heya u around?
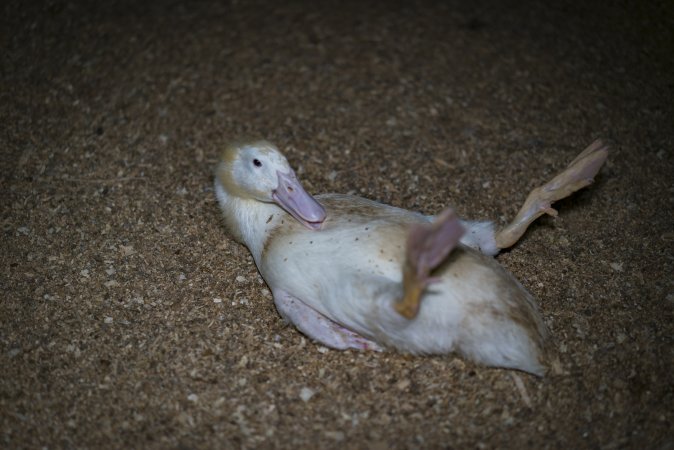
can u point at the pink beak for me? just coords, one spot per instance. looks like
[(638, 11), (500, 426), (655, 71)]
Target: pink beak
[(291, 196)]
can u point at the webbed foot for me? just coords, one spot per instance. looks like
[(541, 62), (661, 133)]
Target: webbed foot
[(579, 174), (427, 246)]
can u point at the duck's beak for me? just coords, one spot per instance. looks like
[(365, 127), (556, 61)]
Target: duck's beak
[(291, 196)]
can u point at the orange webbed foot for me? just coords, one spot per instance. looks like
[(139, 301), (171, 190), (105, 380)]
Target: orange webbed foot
[(427, 246)]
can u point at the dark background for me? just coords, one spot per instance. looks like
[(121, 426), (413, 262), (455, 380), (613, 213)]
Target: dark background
[(114, 256)]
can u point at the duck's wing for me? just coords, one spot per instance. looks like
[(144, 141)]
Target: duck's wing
[(317, 326), (480, 236)]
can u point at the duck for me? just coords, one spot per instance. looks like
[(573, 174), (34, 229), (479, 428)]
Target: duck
[(352, 273)]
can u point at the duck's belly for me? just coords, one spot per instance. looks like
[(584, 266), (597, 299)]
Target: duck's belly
[(351, 272), (326, 269), (332, 270), (353, 275)]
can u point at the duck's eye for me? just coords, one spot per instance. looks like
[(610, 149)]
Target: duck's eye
[(257, 163)]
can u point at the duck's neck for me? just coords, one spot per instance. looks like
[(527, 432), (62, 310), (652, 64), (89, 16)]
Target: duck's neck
[(247, 219)]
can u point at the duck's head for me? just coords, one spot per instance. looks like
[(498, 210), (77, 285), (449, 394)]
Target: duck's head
[(258, 171)]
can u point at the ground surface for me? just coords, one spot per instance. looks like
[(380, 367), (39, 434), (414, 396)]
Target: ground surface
[(130, 319)]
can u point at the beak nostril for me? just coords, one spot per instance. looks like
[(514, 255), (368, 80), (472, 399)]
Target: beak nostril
[(290, 188)]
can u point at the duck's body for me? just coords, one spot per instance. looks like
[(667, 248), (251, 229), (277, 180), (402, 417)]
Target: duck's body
[(351, 272), (341, 282)]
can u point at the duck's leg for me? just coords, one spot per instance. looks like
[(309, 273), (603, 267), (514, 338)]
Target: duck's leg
[(318, 327), (577, 175), (427, 246)]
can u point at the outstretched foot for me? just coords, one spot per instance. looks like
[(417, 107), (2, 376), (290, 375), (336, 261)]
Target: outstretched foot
[(577, 175), (427, 246)]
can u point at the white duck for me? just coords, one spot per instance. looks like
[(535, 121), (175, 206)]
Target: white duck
[(353, 273)]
